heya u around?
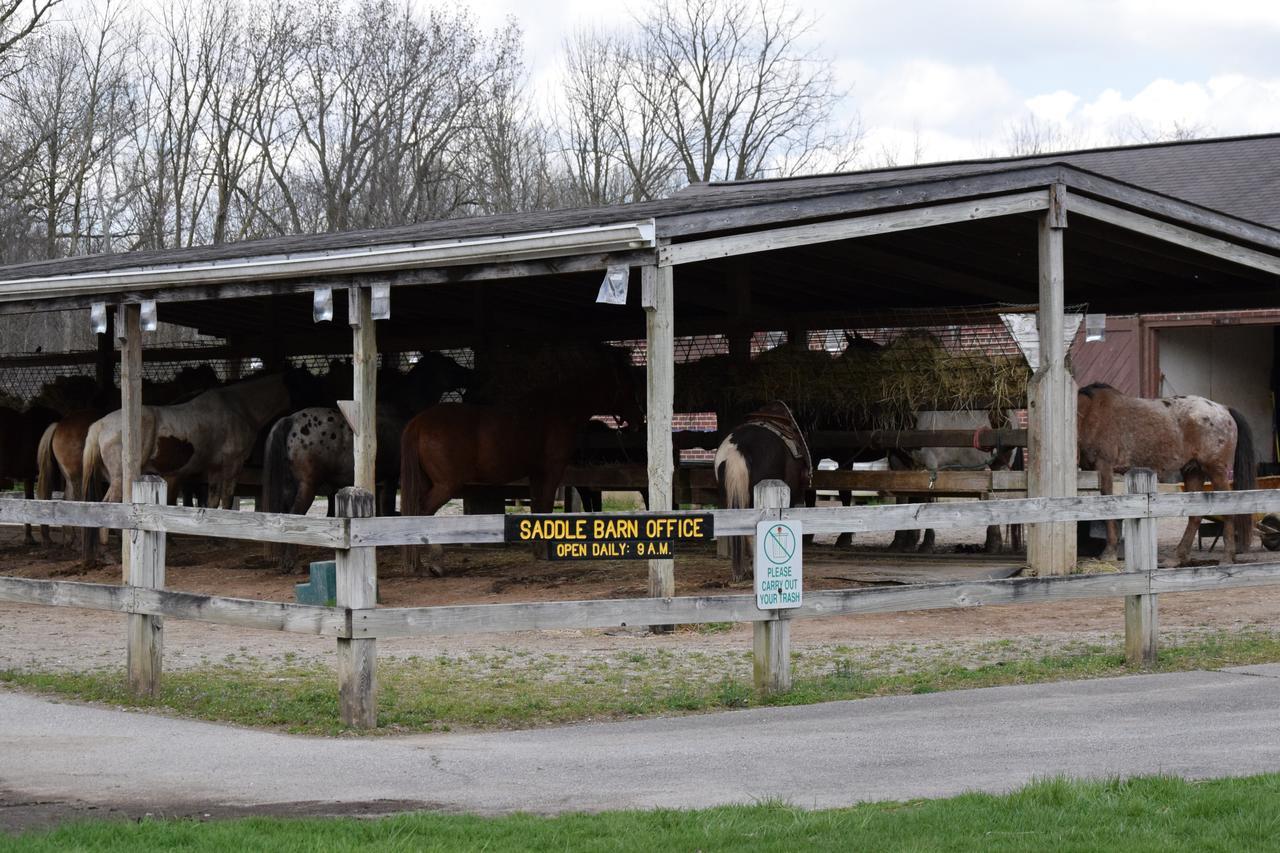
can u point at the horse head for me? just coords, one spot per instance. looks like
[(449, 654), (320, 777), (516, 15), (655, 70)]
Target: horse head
[(305, 389), (433, 376), (617, 387)]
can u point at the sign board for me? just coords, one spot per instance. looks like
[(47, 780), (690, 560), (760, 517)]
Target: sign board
[(598, 536), (779, 564)]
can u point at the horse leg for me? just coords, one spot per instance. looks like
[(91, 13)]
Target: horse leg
[(926, 544), (1106, 486), (995, 540), (845, 540), (29, 490), (306, 496), (1192, 483), (437, 496), (1218, 477)]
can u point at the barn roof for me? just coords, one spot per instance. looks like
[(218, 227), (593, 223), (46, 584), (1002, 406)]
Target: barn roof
[(1237, 176)]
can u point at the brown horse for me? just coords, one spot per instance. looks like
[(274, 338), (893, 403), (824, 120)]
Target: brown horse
[(767, 446), (20, 434), (1191, 436), (451, 445)]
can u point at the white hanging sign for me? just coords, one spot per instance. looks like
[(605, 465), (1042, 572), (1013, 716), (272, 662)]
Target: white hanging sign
[(1025, 331)]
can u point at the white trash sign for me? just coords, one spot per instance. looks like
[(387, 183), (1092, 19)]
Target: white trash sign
[(779, 564)]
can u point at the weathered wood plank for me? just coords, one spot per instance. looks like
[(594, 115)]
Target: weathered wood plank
[(844, 229), (357, 579), (658, 300), (1140, 555), (242, 612), (90, 596), (68, 513), (233, 524), (1182, 504), (364, 364), (1211, 578), (145, 568), (871, 519)]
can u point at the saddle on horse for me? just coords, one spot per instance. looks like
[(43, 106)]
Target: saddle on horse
[(777, 419)]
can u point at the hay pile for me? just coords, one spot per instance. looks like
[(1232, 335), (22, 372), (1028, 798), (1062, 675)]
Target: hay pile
[(863, 388)]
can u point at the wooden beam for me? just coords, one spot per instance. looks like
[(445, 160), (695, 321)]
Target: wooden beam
[(1171, 233), (1140, 552), (129, 330), (1051, 548), (845, 229), (658, 299), (356, 589), (364, 363), (146, 571)]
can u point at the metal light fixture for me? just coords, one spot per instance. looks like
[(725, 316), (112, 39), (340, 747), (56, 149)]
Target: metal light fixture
[(98, 318), (1095, 327), (613, 290), (147, 315), (380, 301), (322, 304)]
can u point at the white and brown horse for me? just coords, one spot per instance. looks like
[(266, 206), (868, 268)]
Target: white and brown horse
[(1191, 436), (206, 439), (768, 445)]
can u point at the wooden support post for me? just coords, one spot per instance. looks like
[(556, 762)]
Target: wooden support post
[(658, 299), (771, 639), (1140, 622), (145, 551), (356, 588), (364, 365), (1051, 548), (129, 330)]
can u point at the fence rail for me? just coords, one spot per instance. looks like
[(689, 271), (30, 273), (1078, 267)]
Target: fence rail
[(356, 624)]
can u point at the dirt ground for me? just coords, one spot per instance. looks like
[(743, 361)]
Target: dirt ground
[(61, 638)]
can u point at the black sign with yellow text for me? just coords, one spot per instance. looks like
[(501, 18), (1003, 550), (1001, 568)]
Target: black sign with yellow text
[(610, 537)]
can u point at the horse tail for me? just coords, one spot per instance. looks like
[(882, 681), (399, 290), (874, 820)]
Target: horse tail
[(90, 462), (49, 476), (1245, 464), (733, 475), (414, 482), (277, 473)]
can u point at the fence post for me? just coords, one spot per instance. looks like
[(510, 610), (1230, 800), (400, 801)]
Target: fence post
[(771, 638), (145, 563), (1140, 622), (357, 579)]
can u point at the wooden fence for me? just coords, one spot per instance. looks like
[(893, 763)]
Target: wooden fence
[(357, 623)]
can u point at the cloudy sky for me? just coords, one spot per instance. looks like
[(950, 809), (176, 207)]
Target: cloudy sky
[(952, 78)]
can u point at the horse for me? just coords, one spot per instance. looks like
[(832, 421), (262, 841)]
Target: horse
[(1193, 436), (956, 459), (205, 439), (20, 434), (769, 445), (313, 451), (450, 445)]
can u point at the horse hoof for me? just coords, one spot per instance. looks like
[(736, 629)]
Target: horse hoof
[(435, 570)]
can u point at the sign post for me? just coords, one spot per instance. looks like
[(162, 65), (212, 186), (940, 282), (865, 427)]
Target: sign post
[(779, 572)]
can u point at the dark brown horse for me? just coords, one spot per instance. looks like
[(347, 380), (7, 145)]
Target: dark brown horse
[(20, 434), (451, 445), (1190, 436), (767, 446)]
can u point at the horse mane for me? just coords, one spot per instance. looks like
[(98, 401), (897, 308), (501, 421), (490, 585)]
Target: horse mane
[(1091, 390)]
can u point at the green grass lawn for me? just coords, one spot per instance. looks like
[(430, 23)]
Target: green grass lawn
[(1151, 814), (520, 689)]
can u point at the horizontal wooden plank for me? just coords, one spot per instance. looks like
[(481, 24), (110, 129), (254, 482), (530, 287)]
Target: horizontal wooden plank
[(869, 519), (247, 613), (71, 513), (242, 612), (1208, 578), (489, 618), (1214, 503), (91, 596), (885, 439), (844, 229), (233, 524)]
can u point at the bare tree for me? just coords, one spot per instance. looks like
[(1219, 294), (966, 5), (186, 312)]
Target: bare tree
[(18, 20), (742, 96), (1132, 130), (1034, 135)]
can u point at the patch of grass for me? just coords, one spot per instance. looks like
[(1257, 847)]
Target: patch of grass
[(1155, 814), (500, 690)]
